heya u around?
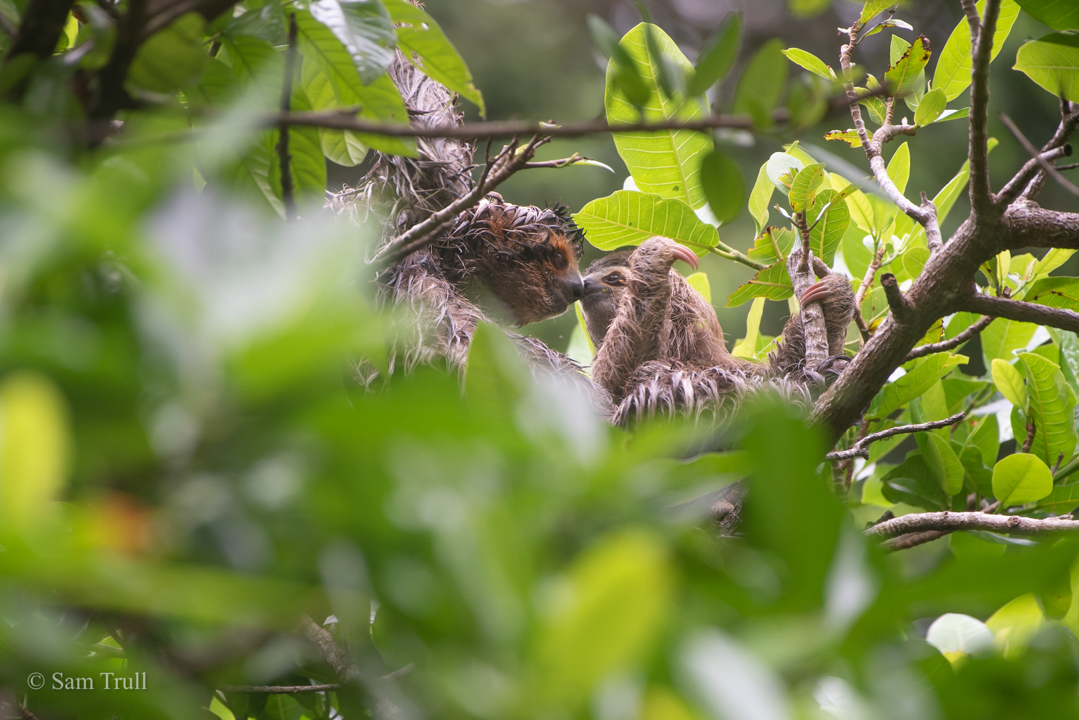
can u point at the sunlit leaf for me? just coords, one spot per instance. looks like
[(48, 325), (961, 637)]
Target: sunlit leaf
[(364, 28), (774, 283), (904, 72), (1021, 478), (952, 74), (916, 381), (1016, 624), (630, 218), (1009, 381), (1052, 408), (810, 62), (932, 104), (760, 197), (748, 347), (1052, 62)]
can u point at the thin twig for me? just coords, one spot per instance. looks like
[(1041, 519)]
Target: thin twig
[(1017, 184), (904, 542), (861, 448), (1032, 429), (867, 282), (280, 689), (954, 342), (1049, 169), (288, 193)]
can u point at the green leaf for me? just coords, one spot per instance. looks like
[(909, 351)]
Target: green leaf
[(828, 221), (1002, 337), (266, 23), (899, 167), (1058, 292), (35, 450), (913, 261), (1063, 497), (1057, 14), (1009, 381), (364, 28), (954, 64), (699, 282), (944, 463), (873, 8), (916, 381), (761, 85), (1015, 624), (580, 348), (902, 77), (630, 218), (807, 183), (912, 482), (1020, 479), (425, 45), (379, 100), (1051, 261), (759, 198), (985, 437), (1052, 62), (887, 24), (617, 596), (1052, 407), (810, 62), (666, 163), (748, 347), (781, 169), (171, 59), (723, 186), (773, 282), (344, 147), (772, 245), (933, 103), (717, 56)]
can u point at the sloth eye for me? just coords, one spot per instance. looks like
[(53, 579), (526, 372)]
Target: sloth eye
[(560, 261), (613, 279)]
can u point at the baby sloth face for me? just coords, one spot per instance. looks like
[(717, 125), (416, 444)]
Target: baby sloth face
[(605, 283)]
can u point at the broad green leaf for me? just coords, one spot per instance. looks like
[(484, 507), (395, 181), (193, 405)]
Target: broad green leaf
[(617, 596), (1051, 261), (933, 103), (723, 186), (807, 183), (848, 136), (699, 282), (773, 283), (717, 56), (759, 198), (976, 476), (985, 437), (1058, 292), (266, 23), (899, 167), (782, 168), (1016, 624), (666, 163), (171, 59), (1057, 14), (944, 463), (861, 212), (1020, 479), (425, 45), (958, 635), (670, 77), (913, 261), (810, 62), (1051, 404), (772, 245), (828, 219), (1009, 381), (873, 8), (630, 218), (251, 175), (1052, 62), (344, 147), (35, 450), (762, 83), (902, 77), (954, 63), (364, 28), (1002, 337), (748, 347), (913, 483), (873, 103), (379, 100), (1063, 497), (918, 379)]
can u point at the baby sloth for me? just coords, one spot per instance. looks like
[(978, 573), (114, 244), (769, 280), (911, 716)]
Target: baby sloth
[(659, 345)]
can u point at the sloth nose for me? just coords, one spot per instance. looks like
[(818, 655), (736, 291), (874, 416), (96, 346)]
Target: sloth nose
[(575, 288), (591, 285)]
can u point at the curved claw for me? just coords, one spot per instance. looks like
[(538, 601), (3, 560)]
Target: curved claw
[(686, 255), (816, 291)]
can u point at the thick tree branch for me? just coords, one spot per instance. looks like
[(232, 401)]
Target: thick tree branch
[(1020, 311), (945, 345), (953, 521), (861, 448), (978, 151), (898, 304)]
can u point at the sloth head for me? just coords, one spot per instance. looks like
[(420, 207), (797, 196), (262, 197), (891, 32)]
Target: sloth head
[(605, 282)]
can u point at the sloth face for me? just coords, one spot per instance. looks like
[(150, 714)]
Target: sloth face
[(605, 282)]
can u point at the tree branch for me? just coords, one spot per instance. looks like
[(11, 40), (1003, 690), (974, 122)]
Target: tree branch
[(1022, 179), (1044, 163), (903, 542), (953, 521), (328, 649), (509, 161), (1020, 311), (898, 304), (111, 95), (951, 344), (814, 327), (978, 151), (861, 448), (280, 689), (40, 29), (288, 194)]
